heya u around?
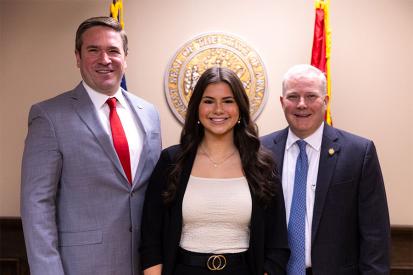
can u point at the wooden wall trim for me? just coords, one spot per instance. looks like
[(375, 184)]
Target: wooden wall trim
[(402, 248), (13, 259)]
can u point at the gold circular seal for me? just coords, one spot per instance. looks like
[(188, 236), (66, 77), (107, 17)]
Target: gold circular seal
[(214, 49)]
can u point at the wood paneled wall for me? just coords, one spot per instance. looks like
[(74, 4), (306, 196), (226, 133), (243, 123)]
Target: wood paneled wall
[(13, 260)]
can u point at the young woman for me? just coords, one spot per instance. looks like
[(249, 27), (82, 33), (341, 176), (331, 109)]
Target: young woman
[(214, 203)]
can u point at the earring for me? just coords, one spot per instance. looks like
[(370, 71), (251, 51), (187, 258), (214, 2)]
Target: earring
[(239, 121), (198, 122)]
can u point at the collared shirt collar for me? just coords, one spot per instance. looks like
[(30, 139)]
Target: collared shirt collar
[(314, 140), (99, 99)]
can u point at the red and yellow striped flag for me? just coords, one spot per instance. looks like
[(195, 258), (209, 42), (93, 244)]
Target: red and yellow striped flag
[(320, 56)]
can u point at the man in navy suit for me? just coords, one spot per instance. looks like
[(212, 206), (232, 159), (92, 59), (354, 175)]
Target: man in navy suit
[(347, 228)]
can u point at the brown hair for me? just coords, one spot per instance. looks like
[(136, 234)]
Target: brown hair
[(105, 21)]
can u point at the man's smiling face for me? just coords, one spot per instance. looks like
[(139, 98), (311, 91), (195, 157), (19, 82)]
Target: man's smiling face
[(304, 105), (101, 59)]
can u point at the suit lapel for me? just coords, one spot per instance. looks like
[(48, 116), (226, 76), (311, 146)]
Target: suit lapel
[(139, 112), (176, 208), (84, 107), (330, 148), (279, 149), (184, 178)]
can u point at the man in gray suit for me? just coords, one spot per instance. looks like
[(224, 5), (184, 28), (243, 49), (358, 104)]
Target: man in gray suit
[(81, 198)]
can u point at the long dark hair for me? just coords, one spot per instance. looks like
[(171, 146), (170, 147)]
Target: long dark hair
[(258, 165)]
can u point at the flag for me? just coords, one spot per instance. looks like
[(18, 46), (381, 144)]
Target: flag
[(320, 56), (116, 11)]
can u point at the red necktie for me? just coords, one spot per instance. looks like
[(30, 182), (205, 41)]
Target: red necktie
[(119, 138)]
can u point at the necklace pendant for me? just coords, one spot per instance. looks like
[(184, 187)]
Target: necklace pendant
[(217, 163)]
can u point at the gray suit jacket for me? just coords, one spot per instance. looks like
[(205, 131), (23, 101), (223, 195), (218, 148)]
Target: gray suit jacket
[(80, 215)]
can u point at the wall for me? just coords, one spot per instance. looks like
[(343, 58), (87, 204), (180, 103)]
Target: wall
[(371, 84)]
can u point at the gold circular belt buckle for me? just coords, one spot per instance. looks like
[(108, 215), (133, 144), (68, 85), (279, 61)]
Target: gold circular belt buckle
[(216, 262)]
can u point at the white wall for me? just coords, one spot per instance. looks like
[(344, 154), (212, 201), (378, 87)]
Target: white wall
[(371, 86)]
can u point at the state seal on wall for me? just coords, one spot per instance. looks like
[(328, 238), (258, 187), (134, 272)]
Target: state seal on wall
[(209, 50)]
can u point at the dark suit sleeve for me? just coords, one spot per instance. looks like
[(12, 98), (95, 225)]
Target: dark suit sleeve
[(276, 247), (373, 217), (153, 215)]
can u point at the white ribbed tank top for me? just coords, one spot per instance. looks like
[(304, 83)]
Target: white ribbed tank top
[(216, 215)]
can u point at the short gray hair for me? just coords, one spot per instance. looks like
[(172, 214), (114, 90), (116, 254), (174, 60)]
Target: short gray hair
[(307, 71)]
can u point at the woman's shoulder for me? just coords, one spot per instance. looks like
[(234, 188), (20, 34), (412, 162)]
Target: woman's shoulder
[(175, 153), (172, 151)]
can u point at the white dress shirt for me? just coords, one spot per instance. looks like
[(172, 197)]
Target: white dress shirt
[(134, 134), (290, 158)]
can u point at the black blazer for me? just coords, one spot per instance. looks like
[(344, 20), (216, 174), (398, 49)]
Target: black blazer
[(350, 227), (162, 225)]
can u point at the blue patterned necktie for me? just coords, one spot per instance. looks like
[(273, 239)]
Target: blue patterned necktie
[(296, 224)]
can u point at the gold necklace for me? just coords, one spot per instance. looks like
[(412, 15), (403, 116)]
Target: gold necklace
[(217, 163)]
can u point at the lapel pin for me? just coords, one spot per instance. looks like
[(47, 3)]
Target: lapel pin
[(331, 151)]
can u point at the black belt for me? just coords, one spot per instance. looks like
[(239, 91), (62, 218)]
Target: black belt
[(308, 271), (214, 262)]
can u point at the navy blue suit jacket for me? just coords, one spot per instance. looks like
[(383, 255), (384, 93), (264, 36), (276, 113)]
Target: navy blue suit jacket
[(350, 227)]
